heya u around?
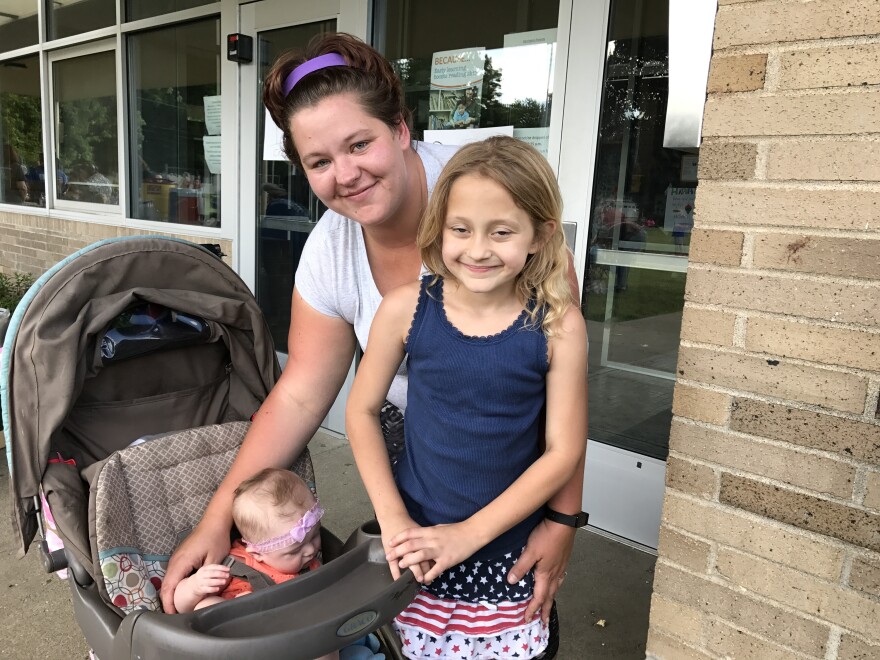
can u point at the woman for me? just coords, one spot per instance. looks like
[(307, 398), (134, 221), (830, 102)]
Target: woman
[(341, 109)]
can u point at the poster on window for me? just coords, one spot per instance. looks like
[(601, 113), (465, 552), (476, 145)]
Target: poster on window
[(456, 88), (679, 217)]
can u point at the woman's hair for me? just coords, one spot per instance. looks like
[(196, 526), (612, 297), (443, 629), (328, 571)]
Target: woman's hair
[(268, 495), (368, 76), (526, 175)]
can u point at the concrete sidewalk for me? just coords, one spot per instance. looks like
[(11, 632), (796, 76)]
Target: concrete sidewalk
[(603, 606)]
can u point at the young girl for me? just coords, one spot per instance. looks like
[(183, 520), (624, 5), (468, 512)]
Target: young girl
[(496, 355), (279, 520)]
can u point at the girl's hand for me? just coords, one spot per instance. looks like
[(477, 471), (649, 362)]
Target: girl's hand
[(394, 527), (547, 551), (210, 579), (445, 545)]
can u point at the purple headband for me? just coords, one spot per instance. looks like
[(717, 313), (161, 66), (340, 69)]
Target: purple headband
[(296, 534), (310, 66)]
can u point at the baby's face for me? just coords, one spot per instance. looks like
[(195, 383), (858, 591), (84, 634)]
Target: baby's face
[(291, 559)]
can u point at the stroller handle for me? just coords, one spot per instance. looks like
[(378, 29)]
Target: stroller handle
[(319, 612)]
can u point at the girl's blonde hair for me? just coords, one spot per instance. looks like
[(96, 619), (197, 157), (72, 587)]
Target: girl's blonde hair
[(526, 175), (270, 494)]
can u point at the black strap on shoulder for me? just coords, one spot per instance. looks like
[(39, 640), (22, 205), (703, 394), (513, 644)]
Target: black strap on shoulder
[(255, 578)]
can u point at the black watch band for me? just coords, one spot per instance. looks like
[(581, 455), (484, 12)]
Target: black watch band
[(577, 520)]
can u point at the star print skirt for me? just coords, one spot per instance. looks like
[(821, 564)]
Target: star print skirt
[(470, 612)]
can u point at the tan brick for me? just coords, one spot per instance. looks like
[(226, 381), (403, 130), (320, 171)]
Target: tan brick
[(851, 302), (682, 621), (853, 648), (802, 592), (822, 255), (776, 378), (785, 206), (729, 642), (691, 478), (831, 113), (737, 73), (683, 550), (781, 20), (822, 475), (740, 609), (850, 524), (853, 438), (699, 403), (865, 575), (872, 498), (727, 160), (840, 66), (826, 160), (664, 647), (758, 537), (716, 247), (708, 326), (851, 348)]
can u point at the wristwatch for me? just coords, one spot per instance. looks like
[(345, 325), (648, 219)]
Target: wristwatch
[(577, 520)]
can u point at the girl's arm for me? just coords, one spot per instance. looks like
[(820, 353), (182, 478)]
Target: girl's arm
[(550, 543), (207, 581), (566, 433), (385, 351)]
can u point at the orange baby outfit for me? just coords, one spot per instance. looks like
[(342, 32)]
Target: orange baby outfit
[(239, 586)]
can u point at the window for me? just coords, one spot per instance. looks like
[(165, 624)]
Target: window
[(175, 124), (65, 18), (135, 10), (21, 159), (18, 24), (490, 67), (85, 129)]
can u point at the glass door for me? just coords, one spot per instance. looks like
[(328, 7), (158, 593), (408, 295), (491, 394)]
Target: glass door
[(278, 209), (637, 215)]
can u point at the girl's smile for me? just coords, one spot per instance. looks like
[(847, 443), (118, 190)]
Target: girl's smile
[(487, 238)]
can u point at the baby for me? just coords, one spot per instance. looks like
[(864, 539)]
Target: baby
[(278, 518)]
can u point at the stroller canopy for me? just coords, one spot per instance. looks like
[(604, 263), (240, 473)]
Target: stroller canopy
[(62, 401)]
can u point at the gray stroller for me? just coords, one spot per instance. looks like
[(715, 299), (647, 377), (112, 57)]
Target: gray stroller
[(155, 341)]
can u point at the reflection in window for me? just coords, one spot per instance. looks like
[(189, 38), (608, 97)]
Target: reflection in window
[(493, 69), (18, 24), (21, 157), (175, 80), (68, 17), (86, 136), (135, 10)]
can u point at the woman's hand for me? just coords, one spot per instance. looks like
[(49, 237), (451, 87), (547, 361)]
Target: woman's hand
[(443, 545), (204, 546), (547, 551)]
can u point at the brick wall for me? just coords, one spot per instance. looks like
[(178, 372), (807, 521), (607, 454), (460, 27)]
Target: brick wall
[(770, 541), (32, 244)]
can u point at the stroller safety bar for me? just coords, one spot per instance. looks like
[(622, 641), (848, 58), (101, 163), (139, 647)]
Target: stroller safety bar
[(318, 612)]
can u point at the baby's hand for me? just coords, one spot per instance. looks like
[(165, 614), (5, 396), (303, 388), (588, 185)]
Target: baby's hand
[(210, 579)]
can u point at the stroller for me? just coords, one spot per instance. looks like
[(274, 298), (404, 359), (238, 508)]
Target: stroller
[(156, 341)]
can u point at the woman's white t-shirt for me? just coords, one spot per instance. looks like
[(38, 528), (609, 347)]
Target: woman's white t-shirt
[(334, 275)]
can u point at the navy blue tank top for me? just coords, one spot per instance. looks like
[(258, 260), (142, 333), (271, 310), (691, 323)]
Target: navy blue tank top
[(473, 417)]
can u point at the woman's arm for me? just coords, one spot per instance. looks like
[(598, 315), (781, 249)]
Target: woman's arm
[(565, 440), (385, 351), (321, 350)]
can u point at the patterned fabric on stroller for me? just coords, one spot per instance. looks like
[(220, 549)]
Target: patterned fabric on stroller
[(74, 397)]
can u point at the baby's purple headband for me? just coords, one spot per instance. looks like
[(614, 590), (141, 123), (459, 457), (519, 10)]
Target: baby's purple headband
[(296, 534), (310, 66)]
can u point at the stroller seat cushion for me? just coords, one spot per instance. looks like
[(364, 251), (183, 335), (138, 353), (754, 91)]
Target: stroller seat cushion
[(143, 497)]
